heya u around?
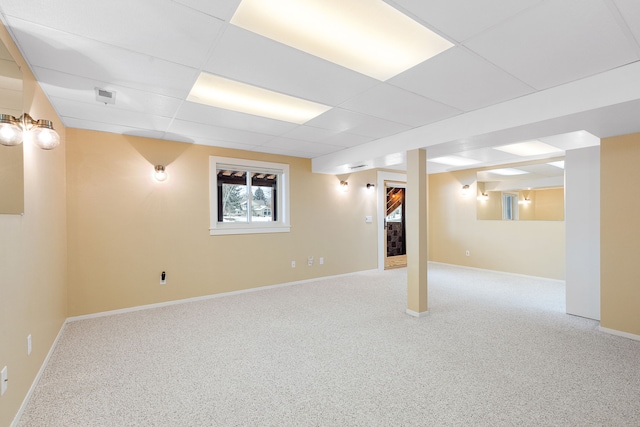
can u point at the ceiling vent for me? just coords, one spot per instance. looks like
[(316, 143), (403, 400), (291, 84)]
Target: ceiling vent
[(108, 97), (357, 167)]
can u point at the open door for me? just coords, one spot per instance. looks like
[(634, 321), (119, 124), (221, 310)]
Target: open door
[(394, 225)]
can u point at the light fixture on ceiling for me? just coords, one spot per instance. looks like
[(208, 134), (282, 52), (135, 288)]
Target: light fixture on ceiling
[(370, 37), (160, 174), (454, 161), (528, 148), (558, 164), (507, 171), (12, 130), (229, 94), (465, 190)]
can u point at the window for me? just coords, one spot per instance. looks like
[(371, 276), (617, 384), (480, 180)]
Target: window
[(509, 206), (248, 196)]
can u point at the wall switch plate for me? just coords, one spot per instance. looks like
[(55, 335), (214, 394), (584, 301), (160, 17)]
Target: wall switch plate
[(4, 380), (368, 219), (467, 253), (29, 345), (310, 261), (321, 260), (293, 264)]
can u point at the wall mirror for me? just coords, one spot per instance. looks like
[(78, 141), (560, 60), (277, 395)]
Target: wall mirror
[(11, 158), (524, 192)]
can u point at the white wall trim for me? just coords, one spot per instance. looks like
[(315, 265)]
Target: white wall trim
[(416, 314), (207, 297), (559, 281), (620, 333), (25, 401)]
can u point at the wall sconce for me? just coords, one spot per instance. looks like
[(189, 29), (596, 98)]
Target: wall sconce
[(526, 201), (465, 190), (160, 174), (42, 131), (483, 197), (344, 186), (370, 187)]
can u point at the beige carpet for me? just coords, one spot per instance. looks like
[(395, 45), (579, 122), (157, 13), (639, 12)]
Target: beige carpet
[(495, 350)]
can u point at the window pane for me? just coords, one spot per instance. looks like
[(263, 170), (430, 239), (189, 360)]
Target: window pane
[(234, 203), (262, 204)]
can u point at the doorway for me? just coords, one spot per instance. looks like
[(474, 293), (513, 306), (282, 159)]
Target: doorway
[(395, 244)]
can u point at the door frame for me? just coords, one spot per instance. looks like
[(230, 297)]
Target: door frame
[(382, 203)]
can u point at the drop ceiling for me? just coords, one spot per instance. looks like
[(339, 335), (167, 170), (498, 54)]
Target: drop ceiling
[(561, 72)]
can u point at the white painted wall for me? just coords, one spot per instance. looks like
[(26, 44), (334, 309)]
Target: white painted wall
[(582, 221)]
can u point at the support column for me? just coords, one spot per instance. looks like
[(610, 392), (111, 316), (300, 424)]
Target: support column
[(416, 239)]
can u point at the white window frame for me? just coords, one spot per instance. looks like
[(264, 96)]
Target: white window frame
[(282, 225)]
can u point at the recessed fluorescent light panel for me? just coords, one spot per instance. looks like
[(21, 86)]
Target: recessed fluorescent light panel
[(528, 148), (507, 171), (454, 161), (369, 37), (232, 95), (559, 164)]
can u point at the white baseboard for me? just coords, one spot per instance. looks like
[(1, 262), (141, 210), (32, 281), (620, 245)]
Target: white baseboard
[(25, 401), (499, 272), (620, 333), (207, 297), (416, 314)]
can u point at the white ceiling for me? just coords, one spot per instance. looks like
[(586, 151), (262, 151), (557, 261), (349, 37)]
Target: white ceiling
[(564, 72)]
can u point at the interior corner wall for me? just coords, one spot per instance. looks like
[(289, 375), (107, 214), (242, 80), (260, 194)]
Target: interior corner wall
[(33, 254), (534, 248), (125, 228), (620, 233), (582, 184)]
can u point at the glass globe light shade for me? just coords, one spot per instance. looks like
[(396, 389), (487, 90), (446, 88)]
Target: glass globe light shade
[(10, 131), (44, 136)]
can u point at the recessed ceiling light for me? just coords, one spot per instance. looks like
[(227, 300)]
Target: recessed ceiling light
[(507, 171), (232, 95), (370, 37), (558, 164), (528, 148), (454, 161)]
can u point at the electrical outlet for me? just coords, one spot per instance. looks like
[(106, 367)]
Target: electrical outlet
[(310, 261), (293, 264), (467, 253), (321, 261), (29, 345), (4, 380)]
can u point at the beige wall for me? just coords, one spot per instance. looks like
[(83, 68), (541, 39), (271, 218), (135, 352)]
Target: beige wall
[(535, 248), (33, 256), (620, 233), (125, 228), (548, 204)]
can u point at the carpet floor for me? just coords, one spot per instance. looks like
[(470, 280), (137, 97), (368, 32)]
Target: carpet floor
[(494, 350)]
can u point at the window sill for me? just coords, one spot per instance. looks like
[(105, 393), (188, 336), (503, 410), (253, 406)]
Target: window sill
[(221, 231)]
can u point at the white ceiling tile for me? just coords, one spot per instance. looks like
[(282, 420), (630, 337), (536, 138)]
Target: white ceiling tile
[(223, 144), (309, 133), (223, 9), (284, 152), (462, 80), (80, 89), (461, 19), (195, 112), (60, 51), (73, 122), (102, 113), (159, 28), (301, 146), (399, 105), (345, 139), (218, 133), (631, 12), (557, 42), (250, 58)]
